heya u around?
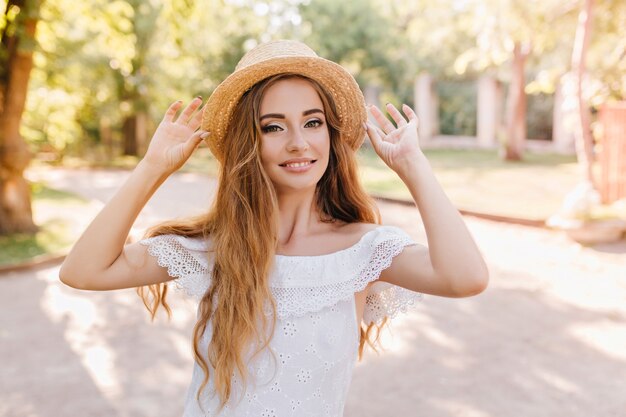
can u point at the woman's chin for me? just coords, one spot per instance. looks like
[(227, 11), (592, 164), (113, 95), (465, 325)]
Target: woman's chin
[(295, 185)]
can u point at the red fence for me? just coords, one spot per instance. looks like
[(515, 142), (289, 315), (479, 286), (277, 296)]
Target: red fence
[(612, 156)]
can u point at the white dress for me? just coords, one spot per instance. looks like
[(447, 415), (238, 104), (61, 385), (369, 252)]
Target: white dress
[(316, 338)]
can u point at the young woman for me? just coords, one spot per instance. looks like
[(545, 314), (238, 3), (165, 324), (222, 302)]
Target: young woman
[(291, 267)]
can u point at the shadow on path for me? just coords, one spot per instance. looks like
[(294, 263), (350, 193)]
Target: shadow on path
[(504, 353), (75, 353)]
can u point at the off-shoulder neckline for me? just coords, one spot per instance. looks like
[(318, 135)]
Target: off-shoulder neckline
[(340, 251)]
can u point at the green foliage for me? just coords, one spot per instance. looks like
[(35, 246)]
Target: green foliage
[(541, 26), (607, 53), (457, 107), (539, 116), (100, 61), (55, 234), (354, 34)]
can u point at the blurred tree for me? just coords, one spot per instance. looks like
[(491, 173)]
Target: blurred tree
[(108, 69), (356, 35), (515, 108), (17, 42), (606, 53), (507, 31), (430, 37), (77, 102), (582, 131), (133, 84)]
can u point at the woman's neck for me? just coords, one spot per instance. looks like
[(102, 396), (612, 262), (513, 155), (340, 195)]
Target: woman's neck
[(298, 215)]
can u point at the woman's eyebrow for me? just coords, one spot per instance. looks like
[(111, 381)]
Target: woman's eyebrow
[(282, 116), (272, 116), (307, 112)]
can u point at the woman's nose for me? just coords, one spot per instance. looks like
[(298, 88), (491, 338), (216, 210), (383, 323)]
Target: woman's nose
[(297, 141)]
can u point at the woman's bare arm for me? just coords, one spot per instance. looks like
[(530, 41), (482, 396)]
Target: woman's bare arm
[(99, 259), (451, 265)]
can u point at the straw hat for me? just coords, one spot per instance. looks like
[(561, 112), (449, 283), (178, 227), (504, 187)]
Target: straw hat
[(279, 57)]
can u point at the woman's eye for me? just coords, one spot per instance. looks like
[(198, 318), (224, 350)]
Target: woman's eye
[(270, 128), (313, 123)]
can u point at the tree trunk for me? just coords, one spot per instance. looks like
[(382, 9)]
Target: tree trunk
[(106, 138), (582, 130), (15, 205), (129, 135), (516, 107), (135, 133)]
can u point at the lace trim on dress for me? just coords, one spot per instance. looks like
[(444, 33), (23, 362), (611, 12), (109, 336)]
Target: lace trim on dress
[(387, 300), (350, 271), (303, 284), (185, 259)]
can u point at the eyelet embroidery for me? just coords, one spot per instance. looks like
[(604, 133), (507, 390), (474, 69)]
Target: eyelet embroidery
[(315, 342)]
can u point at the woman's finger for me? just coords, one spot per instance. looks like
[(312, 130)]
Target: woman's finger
[(172, 110), (395, 114), (186, 114), (192, 143), (410, 114), (384, 123), (383, 136), (196, 120), (374, 136)]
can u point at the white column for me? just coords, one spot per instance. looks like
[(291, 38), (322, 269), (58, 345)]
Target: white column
[(371, 93), (426, 106), (563, 116), (489, 110)]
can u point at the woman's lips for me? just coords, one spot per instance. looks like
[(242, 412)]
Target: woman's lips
[(297, 166)]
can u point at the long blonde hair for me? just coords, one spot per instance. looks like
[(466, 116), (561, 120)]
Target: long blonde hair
[(242, 225)]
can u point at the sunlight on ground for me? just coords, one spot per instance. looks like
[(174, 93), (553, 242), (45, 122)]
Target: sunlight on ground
[(18, 405), (86, 328), (607, 337), (397, 339), (441, 339), (567, 271), (556, 381), (459, 409), (81, 319)]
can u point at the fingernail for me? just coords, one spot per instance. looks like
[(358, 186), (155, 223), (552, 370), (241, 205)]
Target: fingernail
[(204, 135), (365, 125)]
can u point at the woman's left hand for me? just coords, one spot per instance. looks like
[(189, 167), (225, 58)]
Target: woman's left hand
[(398, 146)]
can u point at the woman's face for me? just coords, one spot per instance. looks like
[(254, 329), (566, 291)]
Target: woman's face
[(295, 141)]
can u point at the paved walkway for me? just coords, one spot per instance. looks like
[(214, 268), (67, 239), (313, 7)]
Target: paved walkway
[(547, 338)]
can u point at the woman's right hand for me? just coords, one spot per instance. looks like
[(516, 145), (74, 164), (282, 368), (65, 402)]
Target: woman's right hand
[(175, 138)]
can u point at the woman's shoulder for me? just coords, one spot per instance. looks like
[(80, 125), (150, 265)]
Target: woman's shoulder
[(356, 232), (193, 243), (352, 235)]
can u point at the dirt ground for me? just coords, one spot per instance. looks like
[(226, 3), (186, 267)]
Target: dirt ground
[(547, 338)]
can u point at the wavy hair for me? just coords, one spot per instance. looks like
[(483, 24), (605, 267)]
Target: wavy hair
[(242, 225)]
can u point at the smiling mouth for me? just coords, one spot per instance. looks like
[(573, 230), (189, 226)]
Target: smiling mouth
[(298, 164)]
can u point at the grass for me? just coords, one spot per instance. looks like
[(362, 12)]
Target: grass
[(478, 180), (54, 211)]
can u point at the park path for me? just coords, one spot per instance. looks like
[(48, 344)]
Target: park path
[(547, 338)]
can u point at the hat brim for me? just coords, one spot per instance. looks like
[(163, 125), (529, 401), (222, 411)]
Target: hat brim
[(338, 82)]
